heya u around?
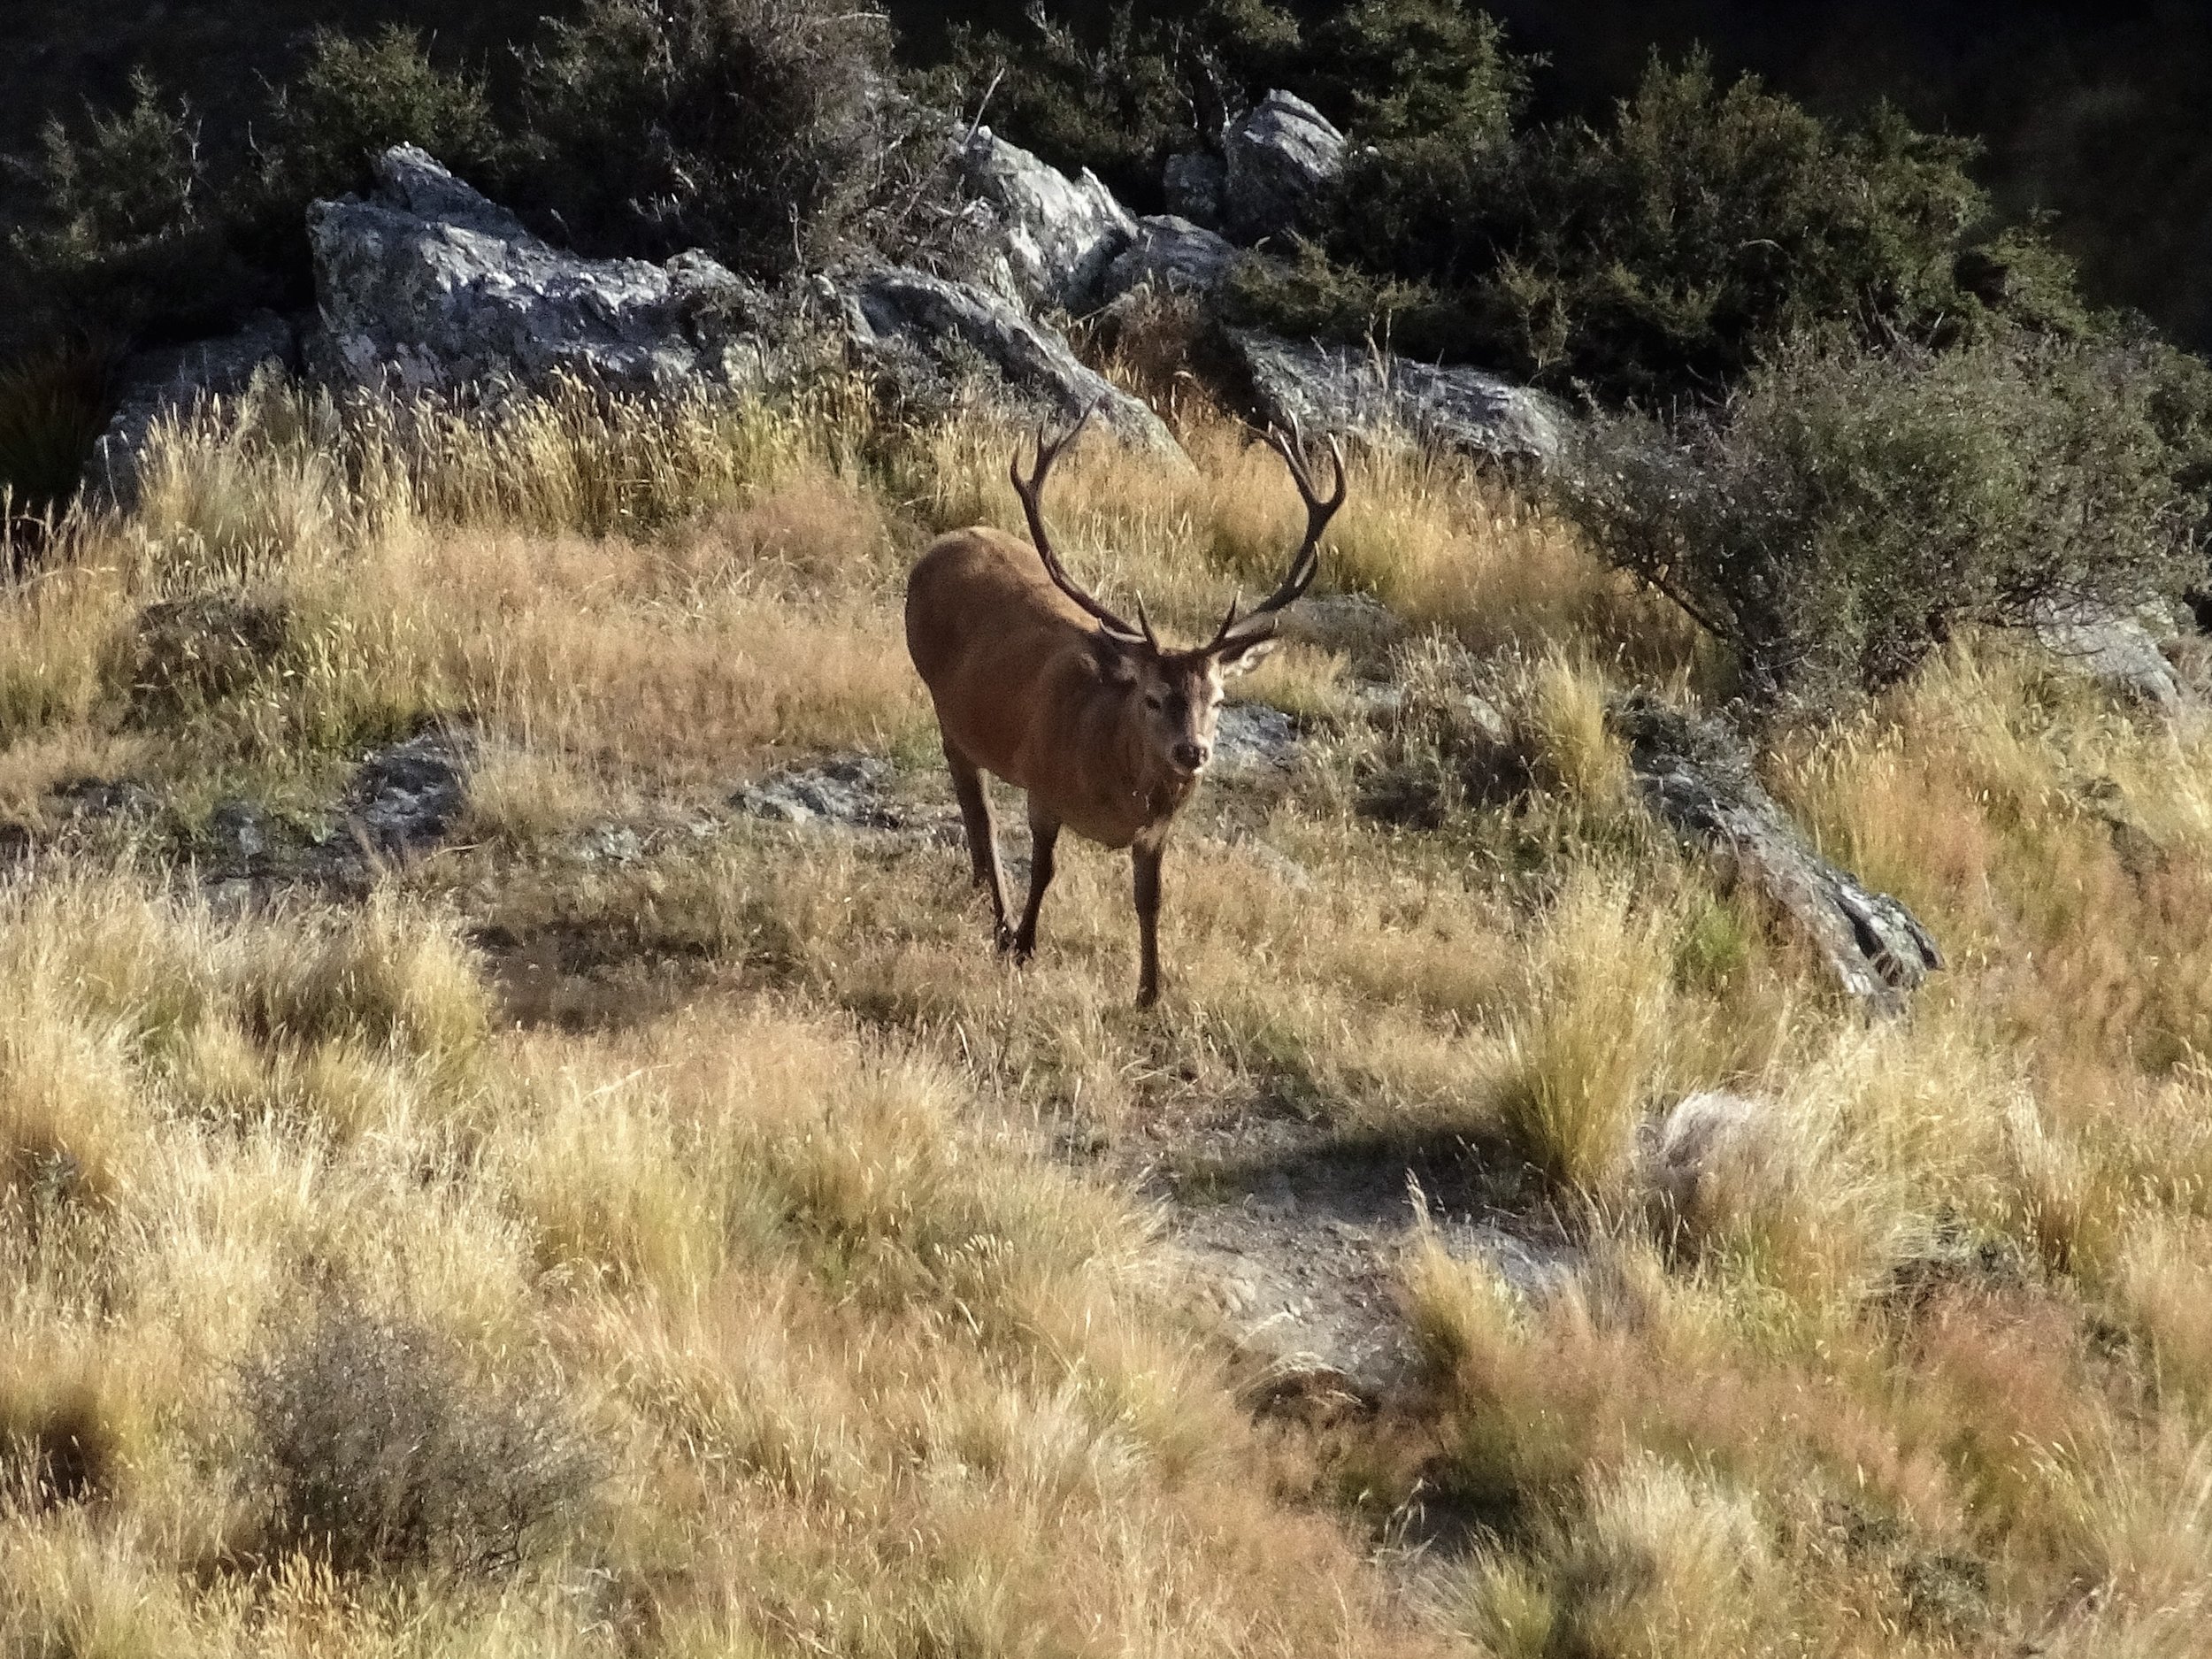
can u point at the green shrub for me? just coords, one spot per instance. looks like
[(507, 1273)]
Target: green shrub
[(769, 131), (1392, 71), (1655, 259), (125, 233), (1851, 507), (350, 102)]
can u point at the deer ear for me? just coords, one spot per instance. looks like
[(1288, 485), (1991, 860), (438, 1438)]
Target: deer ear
[(1244, 657), (1117, 663)]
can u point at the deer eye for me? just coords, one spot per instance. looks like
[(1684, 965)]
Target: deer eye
[(1153, 700)]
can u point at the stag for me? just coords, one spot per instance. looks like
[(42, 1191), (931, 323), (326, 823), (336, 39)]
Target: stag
[(1105, 729)]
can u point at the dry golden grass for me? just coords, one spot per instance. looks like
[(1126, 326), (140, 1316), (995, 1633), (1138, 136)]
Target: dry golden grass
[(744, 1150)]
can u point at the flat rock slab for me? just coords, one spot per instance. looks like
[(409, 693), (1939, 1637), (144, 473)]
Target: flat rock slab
[(1379, 395), (1300, 1247), (430, 286), (849, 793), (1253, 739), (1696, 777), (173, 382), (895, 309)]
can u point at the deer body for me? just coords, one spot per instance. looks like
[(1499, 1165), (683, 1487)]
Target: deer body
[(1021, 691), (1035, 681)]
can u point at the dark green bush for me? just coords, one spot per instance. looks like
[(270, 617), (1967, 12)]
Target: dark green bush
[(126, 232), (769, 131), (1657, 257), (376, 1451), (1851, 507), (54, 403), (353, 100), (1398, 71)]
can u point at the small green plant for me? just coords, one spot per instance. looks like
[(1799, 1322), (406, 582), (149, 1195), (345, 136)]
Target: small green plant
[(125, 231), (351, 101), (377, 1451)]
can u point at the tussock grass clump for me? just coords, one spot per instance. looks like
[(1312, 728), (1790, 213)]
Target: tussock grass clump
[(1586, 1052)]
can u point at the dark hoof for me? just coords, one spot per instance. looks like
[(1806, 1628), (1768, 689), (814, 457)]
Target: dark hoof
[(1148, 996)]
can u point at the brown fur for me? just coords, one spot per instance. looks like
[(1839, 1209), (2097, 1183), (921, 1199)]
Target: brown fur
[(1028, 688), (1104, 728)]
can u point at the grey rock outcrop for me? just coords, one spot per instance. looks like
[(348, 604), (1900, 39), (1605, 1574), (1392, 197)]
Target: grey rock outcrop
[(1276, 162), (404, 800), (1192, 183), (171, 383), (2118, 652), (1252, 739), (1690, 1151), (1060, 233), (1696, 777), (846, 793), (1335, 388), (895, 313), (1170, 255), (430, 286)]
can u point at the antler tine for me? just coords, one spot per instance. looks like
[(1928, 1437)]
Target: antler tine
[(1031, 491), (1145, 623), (1305, 564)]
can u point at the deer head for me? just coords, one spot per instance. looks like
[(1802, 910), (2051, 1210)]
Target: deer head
[(1177, 692)]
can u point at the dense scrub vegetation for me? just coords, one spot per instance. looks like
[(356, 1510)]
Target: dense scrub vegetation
[(1851, 508), (1896, 412)]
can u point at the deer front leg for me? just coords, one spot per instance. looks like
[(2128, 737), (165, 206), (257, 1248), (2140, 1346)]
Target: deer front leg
[(975, 817), (1044, 836), (1145, 861)]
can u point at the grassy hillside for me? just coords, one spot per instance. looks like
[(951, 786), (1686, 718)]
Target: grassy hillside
[(638, 1228)]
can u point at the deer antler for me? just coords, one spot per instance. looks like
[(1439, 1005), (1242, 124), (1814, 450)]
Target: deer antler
[(1030, 489), (1306, 564)]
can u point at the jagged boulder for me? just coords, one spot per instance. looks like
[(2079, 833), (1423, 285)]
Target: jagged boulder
[(1060, 233), (2117, 651), (906, 321), (1335, 388), (1170, 255), (429, 285), (170, 383), (1277, 161), (1701, 1140), (1696, 777), (1192, 183)]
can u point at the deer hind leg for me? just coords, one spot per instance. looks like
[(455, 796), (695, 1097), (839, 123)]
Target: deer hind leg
[(1044, 836), (1145, 863), (975, 817)]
